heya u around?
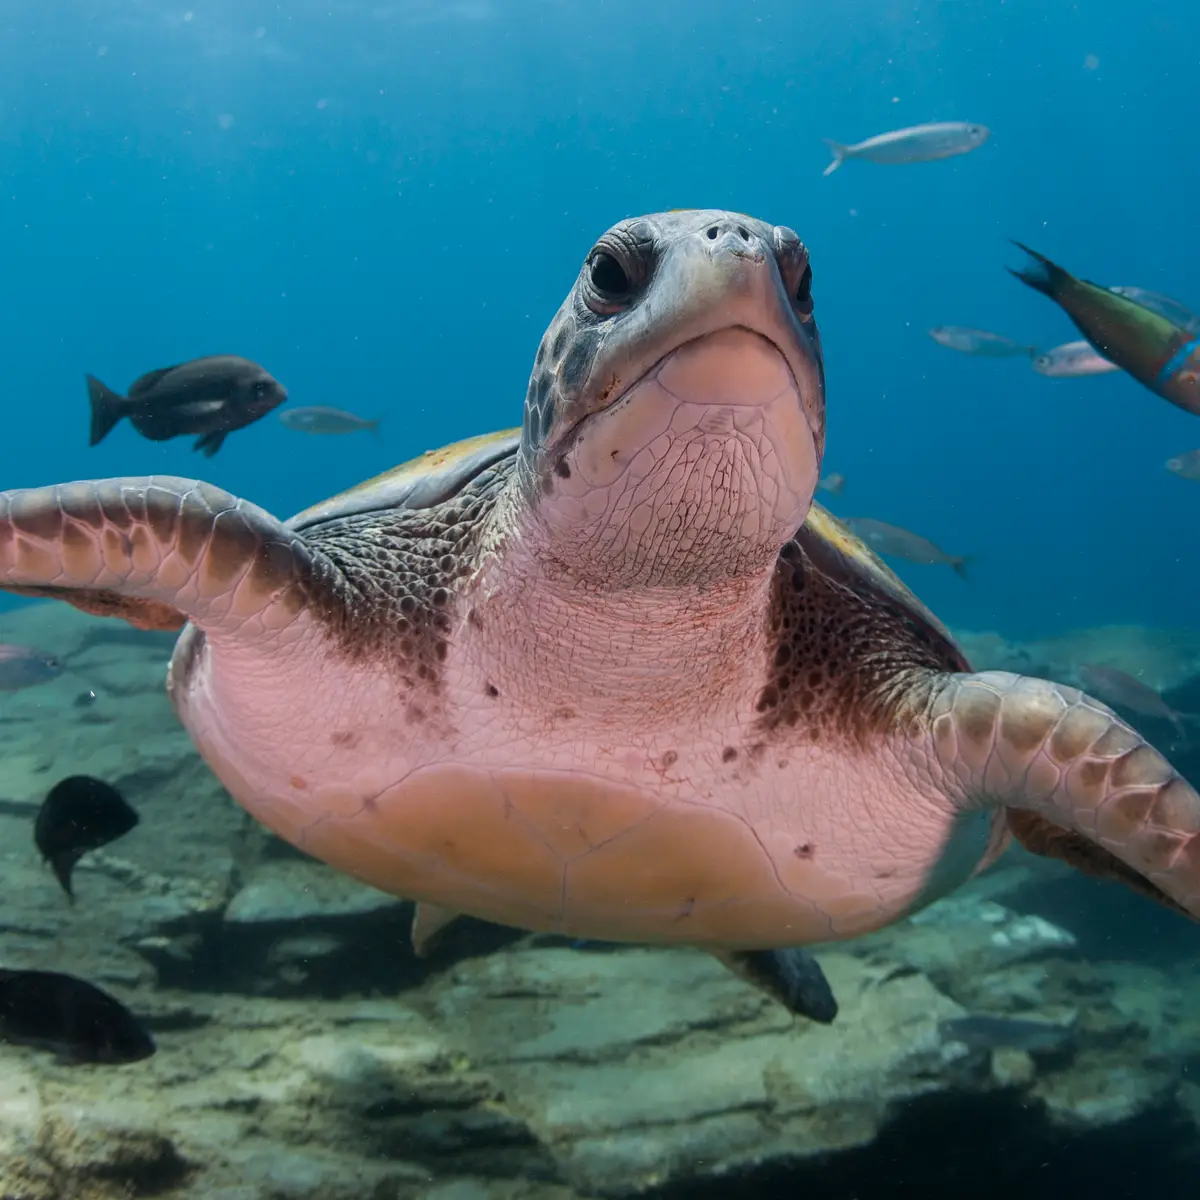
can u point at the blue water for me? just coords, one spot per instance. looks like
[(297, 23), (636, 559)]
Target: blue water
[(384, 203)]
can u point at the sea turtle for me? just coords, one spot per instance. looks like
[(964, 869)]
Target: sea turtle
[(615, 674)]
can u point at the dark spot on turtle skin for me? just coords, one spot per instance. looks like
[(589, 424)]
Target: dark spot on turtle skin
[(845, 656), (564, 714), (729, 754), (669, 759), (299, 782), (562, 469), (474, 619), (345, 739), (492, 691), (805, 850)]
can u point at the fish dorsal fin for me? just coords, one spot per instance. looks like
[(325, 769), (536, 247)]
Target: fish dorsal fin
[(422, 482), (145, 383)]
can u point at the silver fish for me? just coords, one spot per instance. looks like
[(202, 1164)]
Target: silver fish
[(1114, 686), (900, 543), (919, 143), (1186, 466), (1170, 309), (979, 342), (318, 418), (834, 483), (1072, 360), (23, 666)]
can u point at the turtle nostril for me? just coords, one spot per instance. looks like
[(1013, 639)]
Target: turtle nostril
[(745, 236), (712, 233)]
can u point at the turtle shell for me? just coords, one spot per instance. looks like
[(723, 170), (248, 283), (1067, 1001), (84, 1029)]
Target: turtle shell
[(422, 482)]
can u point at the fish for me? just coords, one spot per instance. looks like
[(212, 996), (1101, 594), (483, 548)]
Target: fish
[(71, 1018), (210, 396), (318, 418), (1114, 686), (979, 342), (918, 143), (998, 1033), (1162, 356), (23, 666), (900, 543), (1186, 466), (834, 483), (1072, 360), (1175, 312), (79, 814)]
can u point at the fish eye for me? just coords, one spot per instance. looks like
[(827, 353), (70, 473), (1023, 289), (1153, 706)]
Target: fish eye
[(607, 276), (261, 387)]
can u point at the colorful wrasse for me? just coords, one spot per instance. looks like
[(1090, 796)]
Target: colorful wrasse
[(1160, 355)]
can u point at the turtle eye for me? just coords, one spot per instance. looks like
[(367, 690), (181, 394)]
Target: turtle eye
[(608, 277), (617, 268)]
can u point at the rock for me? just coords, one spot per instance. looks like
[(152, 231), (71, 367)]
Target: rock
[(295, 890)]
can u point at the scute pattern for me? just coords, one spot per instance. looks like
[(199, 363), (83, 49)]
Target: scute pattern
[(1097, 790)]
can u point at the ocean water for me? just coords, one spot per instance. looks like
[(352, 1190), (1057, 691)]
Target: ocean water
[(384, 203)]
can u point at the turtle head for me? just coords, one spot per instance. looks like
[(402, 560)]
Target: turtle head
[(675, 418)]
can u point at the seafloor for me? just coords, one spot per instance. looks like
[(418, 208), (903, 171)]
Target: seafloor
[(305, 1053)]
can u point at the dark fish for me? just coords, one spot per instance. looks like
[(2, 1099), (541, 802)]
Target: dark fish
[(833, 483), (79, 814), (22, 667), (319, 419), (998, 1033), (1114, 686), (900, 543), (69, 1017), (1176, 313), (1186, 466), (209, 396), (979, 342), (1160, 355)]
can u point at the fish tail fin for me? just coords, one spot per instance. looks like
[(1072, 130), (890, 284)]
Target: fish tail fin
[(839, 155), (1042, 275), (375, 427), (836, 486), (108, 407), (959, 566)]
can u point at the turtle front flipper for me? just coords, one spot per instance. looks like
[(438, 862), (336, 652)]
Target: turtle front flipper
[(1079, 783), (155, 550), (793, 977)]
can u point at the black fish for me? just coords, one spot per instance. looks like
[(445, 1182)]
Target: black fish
[(209, 396), (79, 814), (69, 1017)]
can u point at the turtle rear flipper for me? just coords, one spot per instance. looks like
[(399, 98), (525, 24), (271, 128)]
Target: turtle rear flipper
[(1080, 784), (792, 976), (155, 550)]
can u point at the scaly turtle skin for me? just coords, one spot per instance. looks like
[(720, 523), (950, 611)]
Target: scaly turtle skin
[(615, 676)]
